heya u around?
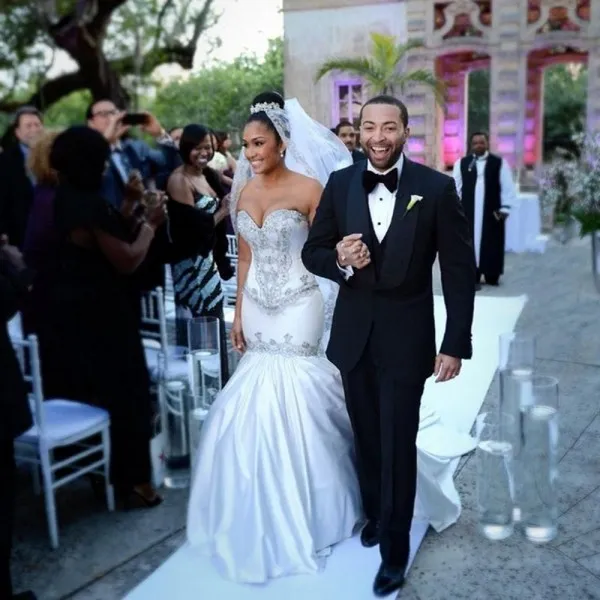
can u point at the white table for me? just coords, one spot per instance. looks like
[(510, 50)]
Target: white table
[(524, 226)]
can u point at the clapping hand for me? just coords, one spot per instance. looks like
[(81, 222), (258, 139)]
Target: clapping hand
[(353, 252), (156, 212), (133, 194)]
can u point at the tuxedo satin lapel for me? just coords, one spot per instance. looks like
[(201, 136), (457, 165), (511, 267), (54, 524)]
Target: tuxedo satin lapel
[(401, 234), (357, 209)]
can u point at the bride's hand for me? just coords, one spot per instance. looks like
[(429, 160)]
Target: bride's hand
[(237, 336)]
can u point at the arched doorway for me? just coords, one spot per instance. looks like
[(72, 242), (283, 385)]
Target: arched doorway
[(454, 69), (538, 61)]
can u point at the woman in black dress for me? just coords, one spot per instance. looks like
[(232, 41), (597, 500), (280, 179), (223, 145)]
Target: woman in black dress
[(197, 279), (91, 349)]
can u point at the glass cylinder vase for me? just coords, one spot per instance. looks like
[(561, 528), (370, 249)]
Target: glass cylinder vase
[(204, 342), (174, 396), (540, 461), (495, 484), (516, 368)]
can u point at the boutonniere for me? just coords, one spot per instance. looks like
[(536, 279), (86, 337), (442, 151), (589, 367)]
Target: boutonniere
[(413, 200)]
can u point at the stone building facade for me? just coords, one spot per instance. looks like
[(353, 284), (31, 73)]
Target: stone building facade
[(515, 39)]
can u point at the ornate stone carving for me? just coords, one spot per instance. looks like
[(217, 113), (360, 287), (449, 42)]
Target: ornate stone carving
[(461, 19), (557, 18)]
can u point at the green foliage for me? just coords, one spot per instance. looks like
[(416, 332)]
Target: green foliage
[(220, 96), (23, 51), (478, 110), (382, 69), (565, 93), (70, 110), (133, 36)]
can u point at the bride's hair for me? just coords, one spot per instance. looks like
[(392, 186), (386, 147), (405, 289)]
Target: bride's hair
[(258, 111)]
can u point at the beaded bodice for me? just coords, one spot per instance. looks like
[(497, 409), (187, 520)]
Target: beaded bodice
[(276, 277)]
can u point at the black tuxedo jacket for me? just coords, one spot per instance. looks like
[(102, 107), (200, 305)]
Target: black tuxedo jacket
[(396, 308), (16, 195)]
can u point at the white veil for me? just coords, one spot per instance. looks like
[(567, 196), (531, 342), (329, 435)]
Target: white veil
[(311, 150)]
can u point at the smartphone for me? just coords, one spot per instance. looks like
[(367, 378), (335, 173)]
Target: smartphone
[(135, 119)]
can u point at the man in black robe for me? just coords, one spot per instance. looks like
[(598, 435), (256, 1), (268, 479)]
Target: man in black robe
[(485, 184)]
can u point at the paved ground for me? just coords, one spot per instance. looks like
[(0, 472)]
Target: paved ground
[(103, 556)]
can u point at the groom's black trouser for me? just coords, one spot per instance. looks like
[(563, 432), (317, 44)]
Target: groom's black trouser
[(384, 411)]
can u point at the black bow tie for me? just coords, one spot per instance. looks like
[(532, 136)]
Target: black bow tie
[(371, 180)]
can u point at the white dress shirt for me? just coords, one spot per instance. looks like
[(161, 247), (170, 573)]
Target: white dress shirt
[(381, 207)]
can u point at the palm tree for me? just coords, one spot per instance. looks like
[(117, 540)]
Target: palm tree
[(381, 70)]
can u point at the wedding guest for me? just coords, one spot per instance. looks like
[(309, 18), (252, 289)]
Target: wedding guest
[(40, 236), (88, 327), (15, 280), (16, 190), (175, 133), (127, 154), (196, 280), (486, 187), (223, 148), (346, 132)]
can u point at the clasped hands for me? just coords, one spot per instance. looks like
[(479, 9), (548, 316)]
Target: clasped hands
[(353, 252)]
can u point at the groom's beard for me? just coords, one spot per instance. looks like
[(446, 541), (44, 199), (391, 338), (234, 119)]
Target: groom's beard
[(393, 159)]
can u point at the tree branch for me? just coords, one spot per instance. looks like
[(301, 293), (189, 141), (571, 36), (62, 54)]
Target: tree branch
[(176, 54), (105, 9), (159, 21), (63, 85), (50, 92), (200, 23)]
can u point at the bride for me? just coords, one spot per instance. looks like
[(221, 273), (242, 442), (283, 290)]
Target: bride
[(275, 485)]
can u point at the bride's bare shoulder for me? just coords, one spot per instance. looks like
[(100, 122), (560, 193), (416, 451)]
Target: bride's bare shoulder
[(304, 184), (247, 193)]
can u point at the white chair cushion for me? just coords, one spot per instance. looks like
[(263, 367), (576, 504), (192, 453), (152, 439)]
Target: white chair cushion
[(177, 368), (15, 328), (65, 419)]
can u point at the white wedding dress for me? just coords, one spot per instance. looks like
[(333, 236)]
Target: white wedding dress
[(274, 486)]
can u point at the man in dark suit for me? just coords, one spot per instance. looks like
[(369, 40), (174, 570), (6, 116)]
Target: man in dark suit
[(16, 182), (345, 131), (154, 164), (377, 231), (15, 280)]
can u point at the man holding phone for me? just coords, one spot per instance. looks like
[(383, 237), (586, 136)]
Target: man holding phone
[(130, 154)]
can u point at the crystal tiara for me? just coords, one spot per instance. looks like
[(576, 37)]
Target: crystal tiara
[(264, 106)]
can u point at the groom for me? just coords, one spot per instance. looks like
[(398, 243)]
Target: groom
[(377, 231)]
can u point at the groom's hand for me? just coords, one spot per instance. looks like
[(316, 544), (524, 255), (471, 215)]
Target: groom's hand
[(352, 252), (446, 368)]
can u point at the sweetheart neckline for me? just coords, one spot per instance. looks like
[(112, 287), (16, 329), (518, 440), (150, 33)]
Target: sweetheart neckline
[(267, 215)]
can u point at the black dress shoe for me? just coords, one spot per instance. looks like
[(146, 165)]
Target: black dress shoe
[(369, 536), (388, 580), (25, 596)]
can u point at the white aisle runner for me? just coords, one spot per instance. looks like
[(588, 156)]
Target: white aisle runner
[(351, 568)]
